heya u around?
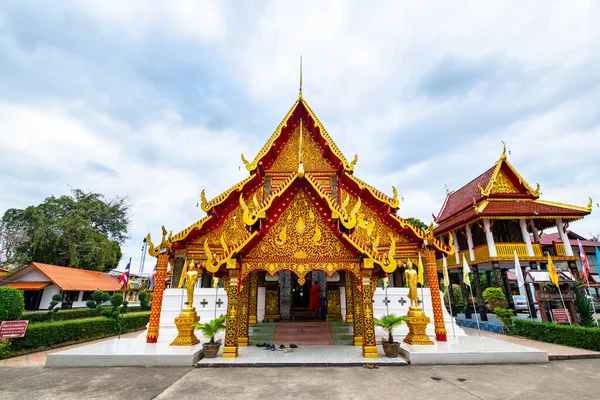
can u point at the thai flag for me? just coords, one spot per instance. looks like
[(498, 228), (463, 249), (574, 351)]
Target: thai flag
[(125, 276), (153, 278), (584, 261)]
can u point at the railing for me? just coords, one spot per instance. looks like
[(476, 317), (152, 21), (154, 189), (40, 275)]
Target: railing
[(559, 249), (507, 250)]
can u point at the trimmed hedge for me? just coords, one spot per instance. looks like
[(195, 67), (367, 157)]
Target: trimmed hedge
[(48, 334), (12, 304), (574, 336), (65, 315)]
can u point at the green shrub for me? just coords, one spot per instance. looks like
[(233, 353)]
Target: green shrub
[(98, 297), (505, 315), (118, 306), (459, 306), (568, 335), (495, 297), (65, 315), (143, 297), (584, 310), (12, 304), (48, 334)]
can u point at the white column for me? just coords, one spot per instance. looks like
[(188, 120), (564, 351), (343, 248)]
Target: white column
[(526, 238), (457, 247), (536, 234), (489, 238), (564, 238), (470, 242)]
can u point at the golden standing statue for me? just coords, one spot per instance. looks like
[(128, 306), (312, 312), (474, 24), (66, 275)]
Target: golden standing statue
[(191, 277), (411, 277)]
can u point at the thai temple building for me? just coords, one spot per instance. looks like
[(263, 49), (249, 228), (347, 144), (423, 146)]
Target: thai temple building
[(497, 214), (302, 216)]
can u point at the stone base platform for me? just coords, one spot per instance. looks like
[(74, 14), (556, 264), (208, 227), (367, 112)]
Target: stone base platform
[(472, 350), (307, 356), (127, 352)]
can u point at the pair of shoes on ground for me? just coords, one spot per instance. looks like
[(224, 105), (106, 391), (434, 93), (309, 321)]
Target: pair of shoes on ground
[(293, 346), (371, 366), (269, 347), (261, 345)]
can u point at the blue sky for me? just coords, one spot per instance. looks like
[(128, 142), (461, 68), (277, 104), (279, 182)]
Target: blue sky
[(156, 100)]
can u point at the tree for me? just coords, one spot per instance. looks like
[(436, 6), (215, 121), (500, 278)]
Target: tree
[(98, 297), (83, 230), (418, 223)]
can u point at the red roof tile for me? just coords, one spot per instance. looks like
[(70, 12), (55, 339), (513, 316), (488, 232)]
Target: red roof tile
[(463, 197), (78, 279), (550, 238), (456, 220)]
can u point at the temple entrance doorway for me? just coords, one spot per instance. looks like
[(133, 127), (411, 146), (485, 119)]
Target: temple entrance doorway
[(301, 299)]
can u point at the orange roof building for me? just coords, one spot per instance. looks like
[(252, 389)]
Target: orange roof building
[(39, 282), (497, 214)]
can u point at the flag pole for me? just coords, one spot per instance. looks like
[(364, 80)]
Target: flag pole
[(564, 306), (450, 303), (475, 311), (216, 296), (124, 299)]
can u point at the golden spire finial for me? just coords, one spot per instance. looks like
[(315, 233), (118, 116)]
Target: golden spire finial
[(448, 191), (300, 94), (300, 165), (503, 156)]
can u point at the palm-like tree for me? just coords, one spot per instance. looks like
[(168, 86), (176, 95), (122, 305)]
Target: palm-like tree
[(389, 322), (211, 328)]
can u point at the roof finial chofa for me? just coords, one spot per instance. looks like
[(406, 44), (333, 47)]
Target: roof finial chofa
[(300, 94), (503, 156)]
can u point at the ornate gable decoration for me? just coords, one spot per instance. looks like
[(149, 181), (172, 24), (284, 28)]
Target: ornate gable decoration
[(300, 234)]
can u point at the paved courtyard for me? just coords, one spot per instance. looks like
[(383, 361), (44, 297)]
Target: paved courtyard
[(556, 380)]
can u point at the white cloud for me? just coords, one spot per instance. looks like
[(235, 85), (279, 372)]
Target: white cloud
[(525, 73)]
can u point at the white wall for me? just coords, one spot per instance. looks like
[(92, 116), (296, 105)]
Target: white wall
[(49, 291)]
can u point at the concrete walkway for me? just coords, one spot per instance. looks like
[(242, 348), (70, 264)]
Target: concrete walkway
[(38, 359), (555, 351), (555, 380)]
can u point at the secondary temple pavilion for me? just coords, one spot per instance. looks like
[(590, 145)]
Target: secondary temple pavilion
[(301, 209)]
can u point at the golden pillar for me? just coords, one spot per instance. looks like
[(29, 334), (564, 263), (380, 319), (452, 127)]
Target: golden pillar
[(436, 301), (369, 341), (243, 323), (358, 311), (272, 302), (253, 299), (157, 298), (348, 279), (230, 350)]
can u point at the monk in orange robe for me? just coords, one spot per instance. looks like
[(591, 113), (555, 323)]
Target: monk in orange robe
[(315, 299)]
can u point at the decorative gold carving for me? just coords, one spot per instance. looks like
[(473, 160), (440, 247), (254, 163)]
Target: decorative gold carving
[(348, 279), (503, 184), (243, 320), (185, 327), (358, 311), (253, 301), (369, 328), (203, 202), (589, 205), (288, 159), (300, 268), (282, 237), (334, 307), (536, 192), (191, 276), (165, 244), (248, 165), (231, 325), (317, 236), (300, 235), (417, 327), (272, 303)]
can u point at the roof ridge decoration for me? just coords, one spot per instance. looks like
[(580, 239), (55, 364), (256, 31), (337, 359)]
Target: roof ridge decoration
[(394, 202), (449, 248), (250, 216), (207, 205), (165, 244), (504, 161), (348, 220), (587, 208)]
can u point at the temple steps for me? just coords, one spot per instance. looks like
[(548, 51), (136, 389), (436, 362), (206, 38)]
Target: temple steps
[(314, 333), (261, 333)]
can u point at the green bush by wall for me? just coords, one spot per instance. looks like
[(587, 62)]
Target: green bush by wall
[(48, 334), (574, 336), (12, 304), (65, 315)]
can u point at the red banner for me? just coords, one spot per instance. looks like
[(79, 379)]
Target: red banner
[(13, 329)]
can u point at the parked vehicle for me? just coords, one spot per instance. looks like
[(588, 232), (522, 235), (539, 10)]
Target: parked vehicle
[(520, 303)]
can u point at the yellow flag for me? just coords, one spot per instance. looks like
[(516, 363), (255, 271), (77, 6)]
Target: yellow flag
[(386, 282), (446, 277), (420, 271), (215, 283), (466, 272), (552, 271)]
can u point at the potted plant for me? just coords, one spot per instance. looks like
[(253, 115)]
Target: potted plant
[(209, 330), (388, 323)]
